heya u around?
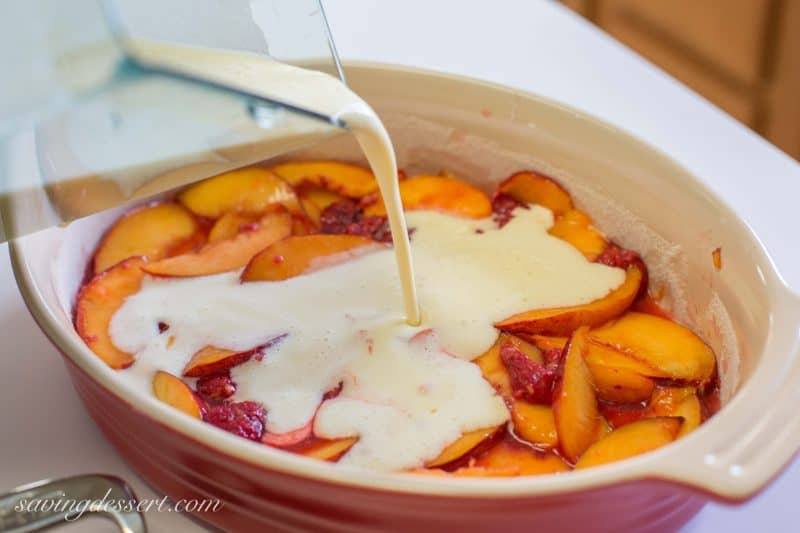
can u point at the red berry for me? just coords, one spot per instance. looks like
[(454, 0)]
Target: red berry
[(503, 206), (552, 358), (216, 387), (530, 381), (336, 217), (245, 419), (346, 217), (615, 256)]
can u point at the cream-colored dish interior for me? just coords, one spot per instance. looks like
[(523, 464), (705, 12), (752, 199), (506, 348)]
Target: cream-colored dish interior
[(483, 133)]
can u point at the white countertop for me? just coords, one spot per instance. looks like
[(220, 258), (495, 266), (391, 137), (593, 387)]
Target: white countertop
[(535, 45)]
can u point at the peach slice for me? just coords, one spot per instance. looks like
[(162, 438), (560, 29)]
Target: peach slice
[(632, 439), (153, 231), (346, 179), (462, 445), (531, 187), (530, 462), (231, 224), (603, 428), (172, 391), (439, 193), (248, 190), (470, 471), (228, 254), (575, 227), (616, 377), (302, 225), (561, 321), (315, 199), (677, 401), (620, 414), (290, 438), (329, 450), (212, 360), (97, 302), (545, 343), (574, 401), (303, 254), (619, 385), (492, 367), (661, 344), (534, 423)]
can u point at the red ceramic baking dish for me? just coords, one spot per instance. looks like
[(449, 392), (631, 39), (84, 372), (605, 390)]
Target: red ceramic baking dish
[(482, 132)]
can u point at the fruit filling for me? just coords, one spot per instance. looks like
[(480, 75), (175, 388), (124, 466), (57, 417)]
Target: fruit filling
[(266, 303)]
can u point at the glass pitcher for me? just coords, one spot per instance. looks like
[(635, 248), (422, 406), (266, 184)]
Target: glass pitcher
[(89, 119)]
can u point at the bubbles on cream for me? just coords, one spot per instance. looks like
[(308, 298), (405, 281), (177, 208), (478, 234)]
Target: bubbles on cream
[(406, 395)]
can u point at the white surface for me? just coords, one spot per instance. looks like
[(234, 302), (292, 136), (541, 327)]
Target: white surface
[(530, 44)]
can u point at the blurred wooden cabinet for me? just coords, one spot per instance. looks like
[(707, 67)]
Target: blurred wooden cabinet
[(743, 55)]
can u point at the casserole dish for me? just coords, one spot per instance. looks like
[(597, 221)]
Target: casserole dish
[(482, 132)]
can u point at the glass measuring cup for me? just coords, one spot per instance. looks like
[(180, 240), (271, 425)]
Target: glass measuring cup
[(91, 120)]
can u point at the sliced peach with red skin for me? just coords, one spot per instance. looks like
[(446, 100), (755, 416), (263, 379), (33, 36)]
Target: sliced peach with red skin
[(303, 254), (315, 199), (620, 414), (302, 225), (534, 423), (530, 462), (616, 377), (492, 367), (662, 344), (228, 254), (347, 179), (231, 224), (248, 190), (531, 187), (96, 304), (574, 400), (152, 231), (172, 391), (619, 385), (561, 321), (466, 442), (439, 193), (289, 438), (469, 471), (603, 428), (545, 343), (329, 450), (632, 439), (677, 401), (575, 227)]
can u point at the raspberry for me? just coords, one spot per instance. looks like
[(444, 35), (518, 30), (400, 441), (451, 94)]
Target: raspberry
[(615, 256), (503, 206), (216, 387), (530, 381), (552, 358), (245, 419), (336, 217), (346, 217)]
